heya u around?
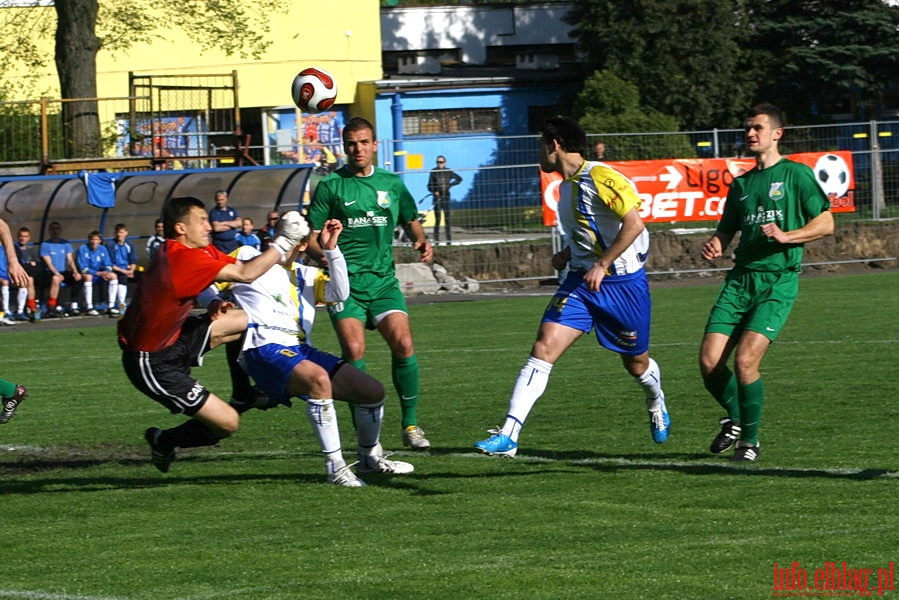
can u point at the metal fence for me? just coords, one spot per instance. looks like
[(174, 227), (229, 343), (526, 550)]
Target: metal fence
[(499, 199), (501, 176)]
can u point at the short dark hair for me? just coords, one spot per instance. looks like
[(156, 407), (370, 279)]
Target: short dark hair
[(358, 124), (120, 226), (94, 233), (176, 209), (775, 115), (567, 132)]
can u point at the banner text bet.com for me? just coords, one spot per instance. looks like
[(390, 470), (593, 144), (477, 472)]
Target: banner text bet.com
[(696, 189)]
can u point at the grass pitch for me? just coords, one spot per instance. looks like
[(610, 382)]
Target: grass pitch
[(590, 508)]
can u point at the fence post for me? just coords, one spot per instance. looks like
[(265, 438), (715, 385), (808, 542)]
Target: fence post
[(45, 134), (717, 153), (877, 197)]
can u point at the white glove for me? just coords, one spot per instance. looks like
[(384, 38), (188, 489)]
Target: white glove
[(292, 229)]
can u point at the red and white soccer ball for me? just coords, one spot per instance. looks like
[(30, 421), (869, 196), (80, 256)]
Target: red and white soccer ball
[(314, 90)]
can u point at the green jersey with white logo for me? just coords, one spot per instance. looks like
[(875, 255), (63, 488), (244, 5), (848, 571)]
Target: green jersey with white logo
[(369, 208), (786, 194)]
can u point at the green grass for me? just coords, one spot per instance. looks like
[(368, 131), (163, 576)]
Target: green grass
[(590, 508)]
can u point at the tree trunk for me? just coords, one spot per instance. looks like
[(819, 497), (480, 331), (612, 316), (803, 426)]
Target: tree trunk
[(76, 64)]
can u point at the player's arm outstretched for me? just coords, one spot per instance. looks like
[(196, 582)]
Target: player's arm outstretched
[(292, 228), (337, 289)]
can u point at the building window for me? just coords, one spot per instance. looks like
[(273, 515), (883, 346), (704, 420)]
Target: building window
[(466, 120)]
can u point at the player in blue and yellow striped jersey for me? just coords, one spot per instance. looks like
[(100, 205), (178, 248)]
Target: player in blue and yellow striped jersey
[(606, 288)]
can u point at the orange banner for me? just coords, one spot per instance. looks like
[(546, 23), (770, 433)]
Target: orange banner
[(696, 189)]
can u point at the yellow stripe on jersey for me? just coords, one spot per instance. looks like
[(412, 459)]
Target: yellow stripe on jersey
[(615, 190), (321, 281)]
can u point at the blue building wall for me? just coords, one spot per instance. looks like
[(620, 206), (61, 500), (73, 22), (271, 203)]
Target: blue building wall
[(479, 187)]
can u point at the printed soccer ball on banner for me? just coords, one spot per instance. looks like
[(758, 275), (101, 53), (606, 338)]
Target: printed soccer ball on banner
[(314, 90), (832, 174)]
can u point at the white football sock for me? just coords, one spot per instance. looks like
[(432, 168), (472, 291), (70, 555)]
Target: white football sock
[(112, 291), (4, 291), (529, 386), (651, 382), (88, 295), (367, 418), (22, 299), (323, 419), (122, 292)]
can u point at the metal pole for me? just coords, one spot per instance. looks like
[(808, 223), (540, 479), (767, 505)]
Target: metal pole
[(877, 198)]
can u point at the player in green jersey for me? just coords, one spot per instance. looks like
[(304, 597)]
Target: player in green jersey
[(370, 202), (776, 207)]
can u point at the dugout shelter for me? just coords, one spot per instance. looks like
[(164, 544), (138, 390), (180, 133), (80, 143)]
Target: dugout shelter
[(85, 201)]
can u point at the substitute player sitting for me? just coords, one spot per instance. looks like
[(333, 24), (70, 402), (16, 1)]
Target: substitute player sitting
[(280, 307)]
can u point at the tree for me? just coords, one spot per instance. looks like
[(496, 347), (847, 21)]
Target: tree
[(684, 56), (824, 57), (609, 104), (83, 28)]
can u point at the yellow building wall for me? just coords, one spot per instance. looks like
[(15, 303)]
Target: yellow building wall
[(341, 36)]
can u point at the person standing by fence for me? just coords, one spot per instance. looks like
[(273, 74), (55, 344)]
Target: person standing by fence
[(439, 183)]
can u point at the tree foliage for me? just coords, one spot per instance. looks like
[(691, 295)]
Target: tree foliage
[(684, 55), (82, 28), (705, 62), (609, 104), (823, 57)]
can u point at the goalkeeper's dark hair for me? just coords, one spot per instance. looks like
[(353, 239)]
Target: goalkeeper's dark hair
[(176, 210)]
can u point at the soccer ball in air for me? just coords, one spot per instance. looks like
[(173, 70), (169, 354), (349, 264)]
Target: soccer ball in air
[(832, 174), (314, 90)]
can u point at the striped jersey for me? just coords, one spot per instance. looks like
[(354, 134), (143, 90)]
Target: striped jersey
[(592, 203)]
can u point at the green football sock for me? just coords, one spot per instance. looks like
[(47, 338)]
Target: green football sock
[(7, 389), (752, 399), (405, 380), (723, 388)]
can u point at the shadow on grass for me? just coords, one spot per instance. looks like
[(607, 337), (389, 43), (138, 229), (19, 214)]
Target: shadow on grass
[(681, 462), (55, 468), (16, 477)]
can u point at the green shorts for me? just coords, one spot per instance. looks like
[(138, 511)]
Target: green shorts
[(372, 297), (754, 301)]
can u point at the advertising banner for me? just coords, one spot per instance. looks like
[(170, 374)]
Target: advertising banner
[(696, 189)]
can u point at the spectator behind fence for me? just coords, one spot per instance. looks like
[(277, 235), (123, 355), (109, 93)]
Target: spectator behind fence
[(268, 231), (439, 184), (225, 223), (155, 240), (599, 150), (30, 258), (246, 237), (59, 269), (95, 264), (124, 263)]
